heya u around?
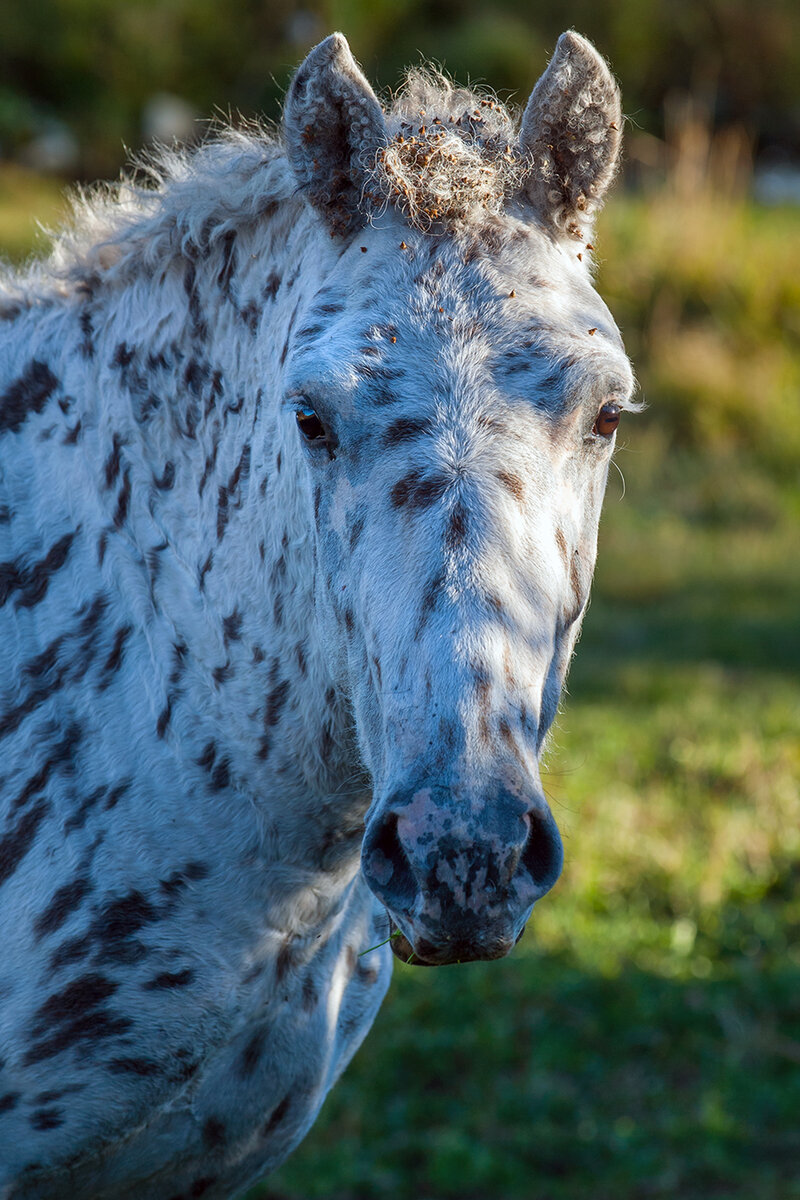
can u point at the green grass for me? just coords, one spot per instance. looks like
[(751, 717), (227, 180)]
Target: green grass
[(644, 1038)]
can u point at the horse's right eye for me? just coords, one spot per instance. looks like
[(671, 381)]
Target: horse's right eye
[(310, 426)]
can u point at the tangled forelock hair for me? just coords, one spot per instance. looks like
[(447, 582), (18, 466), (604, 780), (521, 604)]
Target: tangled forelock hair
[(452, 153)]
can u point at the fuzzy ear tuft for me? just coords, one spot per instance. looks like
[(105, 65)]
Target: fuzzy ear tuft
[(571, 133), (333, 125)]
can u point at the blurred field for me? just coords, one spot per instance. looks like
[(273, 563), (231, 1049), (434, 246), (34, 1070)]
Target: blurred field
[(644, 1039)]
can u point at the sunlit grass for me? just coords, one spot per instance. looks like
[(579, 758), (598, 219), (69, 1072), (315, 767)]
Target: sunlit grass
[(27, 201)]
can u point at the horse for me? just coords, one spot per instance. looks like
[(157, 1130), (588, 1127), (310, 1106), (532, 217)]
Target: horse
[(303, 442)]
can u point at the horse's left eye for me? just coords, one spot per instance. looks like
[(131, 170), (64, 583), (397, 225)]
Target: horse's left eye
[(310, 425), (607, 420)]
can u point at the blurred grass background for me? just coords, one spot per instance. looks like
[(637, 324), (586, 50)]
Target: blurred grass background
[(644, 1038)]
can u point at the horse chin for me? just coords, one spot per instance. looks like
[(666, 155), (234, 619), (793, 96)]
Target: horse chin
[(447, 956), (402, 949)]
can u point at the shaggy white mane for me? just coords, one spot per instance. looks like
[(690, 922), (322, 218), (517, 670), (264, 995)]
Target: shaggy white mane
[(451, 153)]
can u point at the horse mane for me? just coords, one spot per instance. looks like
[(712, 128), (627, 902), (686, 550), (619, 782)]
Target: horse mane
[(450, 153)]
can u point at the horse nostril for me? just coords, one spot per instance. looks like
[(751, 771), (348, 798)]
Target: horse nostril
[(386, 865), (543, 854)]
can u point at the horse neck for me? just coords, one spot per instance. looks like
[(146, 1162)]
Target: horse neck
[(184, 390)]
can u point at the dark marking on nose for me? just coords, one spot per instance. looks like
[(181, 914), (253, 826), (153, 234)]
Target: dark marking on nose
[(561, 542)]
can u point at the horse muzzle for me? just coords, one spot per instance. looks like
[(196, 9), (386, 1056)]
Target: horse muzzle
[(459, 874)]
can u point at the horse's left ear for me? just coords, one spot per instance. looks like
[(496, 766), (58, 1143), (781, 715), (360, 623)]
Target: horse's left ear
[(333, 126), (570, 134)]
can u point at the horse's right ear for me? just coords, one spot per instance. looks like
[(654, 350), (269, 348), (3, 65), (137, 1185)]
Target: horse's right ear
[(570, 135), (333, 126)]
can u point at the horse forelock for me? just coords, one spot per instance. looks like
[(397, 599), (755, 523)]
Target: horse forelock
[(451, 153)]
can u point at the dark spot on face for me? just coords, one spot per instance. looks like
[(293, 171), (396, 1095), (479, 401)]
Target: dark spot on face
[(169, 979), (251, 1054), (513, 484), (405, 429), (9, 1101), (222, 674), (413, 491), (456, 526)]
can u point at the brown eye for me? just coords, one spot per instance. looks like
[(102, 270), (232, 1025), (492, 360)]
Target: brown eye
[(607, 420), (310, 425)]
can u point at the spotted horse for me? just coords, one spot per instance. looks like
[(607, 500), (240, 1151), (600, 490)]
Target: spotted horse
[(303, 442)]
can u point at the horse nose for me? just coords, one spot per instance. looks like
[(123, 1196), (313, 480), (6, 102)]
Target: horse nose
[(460, 884)]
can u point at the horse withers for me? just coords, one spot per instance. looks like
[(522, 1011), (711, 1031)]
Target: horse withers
[(302, 453)]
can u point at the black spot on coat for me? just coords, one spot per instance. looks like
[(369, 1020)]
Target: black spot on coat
[(26, 395)]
